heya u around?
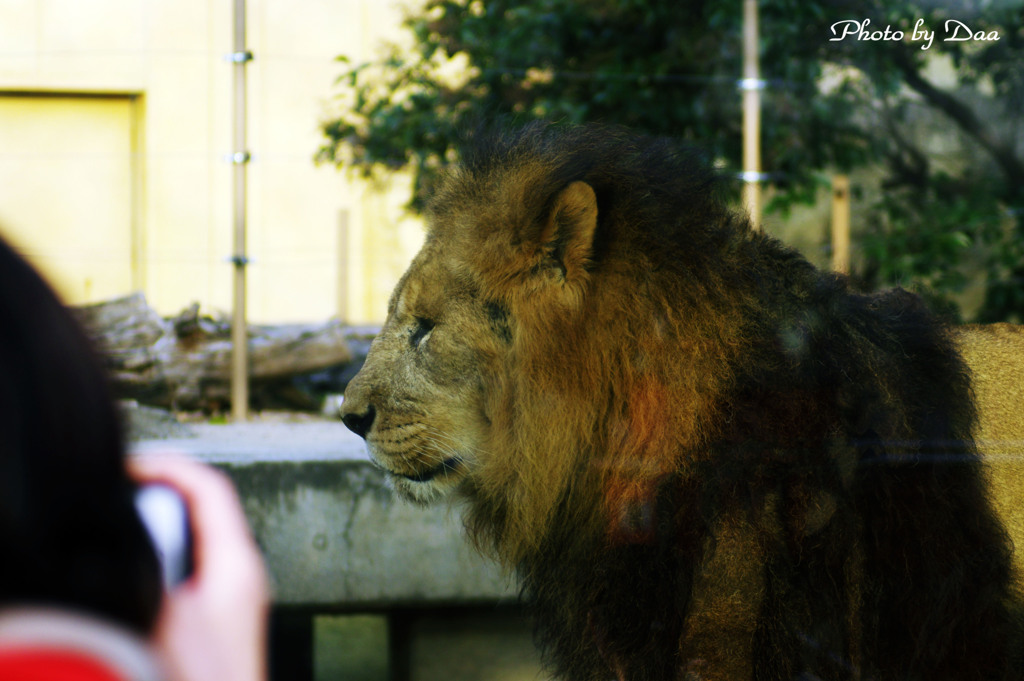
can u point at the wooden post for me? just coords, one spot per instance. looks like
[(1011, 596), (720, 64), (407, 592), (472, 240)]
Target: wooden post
[(240, 158), (841, 224), (751, 85)]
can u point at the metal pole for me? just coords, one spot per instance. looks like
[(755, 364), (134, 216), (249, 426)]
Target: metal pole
[(841, 224), (751, 85), (239, 157)]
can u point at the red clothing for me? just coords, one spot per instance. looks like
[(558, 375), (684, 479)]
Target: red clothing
[(48, 644), (52, 665)]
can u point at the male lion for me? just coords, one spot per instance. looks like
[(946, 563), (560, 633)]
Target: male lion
[(704, 458)]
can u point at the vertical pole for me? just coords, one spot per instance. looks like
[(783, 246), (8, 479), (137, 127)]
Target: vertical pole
[(239, 157), (751, 85), (841, 224)]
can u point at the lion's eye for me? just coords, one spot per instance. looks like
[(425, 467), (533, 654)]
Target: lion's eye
[(421, 331)]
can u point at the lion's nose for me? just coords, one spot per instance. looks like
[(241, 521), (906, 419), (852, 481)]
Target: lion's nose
[(360, 423)]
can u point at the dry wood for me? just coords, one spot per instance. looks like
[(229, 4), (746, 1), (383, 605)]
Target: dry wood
[(185, 362)]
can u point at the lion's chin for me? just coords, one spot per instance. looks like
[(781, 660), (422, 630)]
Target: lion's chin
[(424, 492), (429, 485)]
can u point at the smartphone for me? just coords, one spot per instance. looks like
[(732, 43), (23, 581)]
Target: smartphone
[(165, 517)]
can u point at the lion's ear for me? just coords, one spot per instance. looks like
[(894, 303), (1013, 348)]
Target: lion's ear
[(568, 234)]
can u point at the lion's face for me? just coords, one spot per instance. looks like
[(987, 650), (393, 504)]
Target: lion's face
[(437, 377), (420, 398)]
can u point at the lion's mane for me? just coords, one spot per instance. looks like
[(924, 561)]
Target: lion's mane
[(715, 459)]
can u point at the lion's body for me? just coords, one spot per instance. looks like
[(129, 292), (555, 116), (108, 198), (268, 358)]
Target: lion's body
[(995, 355), (701, 455)]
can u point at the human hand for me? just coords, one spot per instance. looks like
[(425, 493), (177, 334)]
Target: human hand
[(213, 627)]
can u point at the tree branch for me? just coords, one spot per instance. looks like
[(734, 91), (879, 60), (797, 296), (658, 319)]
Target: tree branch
[(909, 165), (963, 116)]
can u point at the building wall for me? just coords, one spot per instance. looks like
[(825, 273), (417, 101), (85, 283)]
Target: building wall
[(43, 149), (115, 128)]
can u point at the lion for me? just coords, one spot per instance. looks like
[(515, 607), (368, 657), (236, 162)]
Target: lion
[(703, 457), (995, 355)]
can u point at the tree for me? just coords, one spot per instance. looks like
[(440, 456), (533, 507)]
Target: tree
[(671, 68)]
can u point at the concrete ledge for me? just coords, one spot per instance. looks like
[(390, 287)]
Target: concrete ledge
[(333, 534)]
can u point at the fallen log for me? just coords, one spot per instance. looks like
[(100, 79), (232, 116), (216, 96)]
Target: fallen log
[(184, 363)]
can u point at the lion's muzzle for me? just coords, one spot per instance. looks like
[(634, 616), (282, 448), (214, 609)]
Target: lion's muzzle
[(359, 422)]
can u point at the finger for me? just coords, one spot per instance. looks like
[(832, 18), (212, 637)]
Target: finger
[(209, 493), (218, 523)]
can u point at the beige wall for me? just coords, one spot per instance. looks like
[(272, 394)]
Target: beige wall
[(115, 121), (51, 175)]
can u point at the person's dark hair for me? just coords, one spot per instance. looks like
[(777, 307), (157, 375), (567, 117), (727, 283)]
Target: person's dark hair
[(69, 533)]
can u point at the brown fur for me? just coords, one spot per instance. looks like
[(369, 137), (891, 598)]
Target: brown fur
[(704, 458), (995, 355)]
